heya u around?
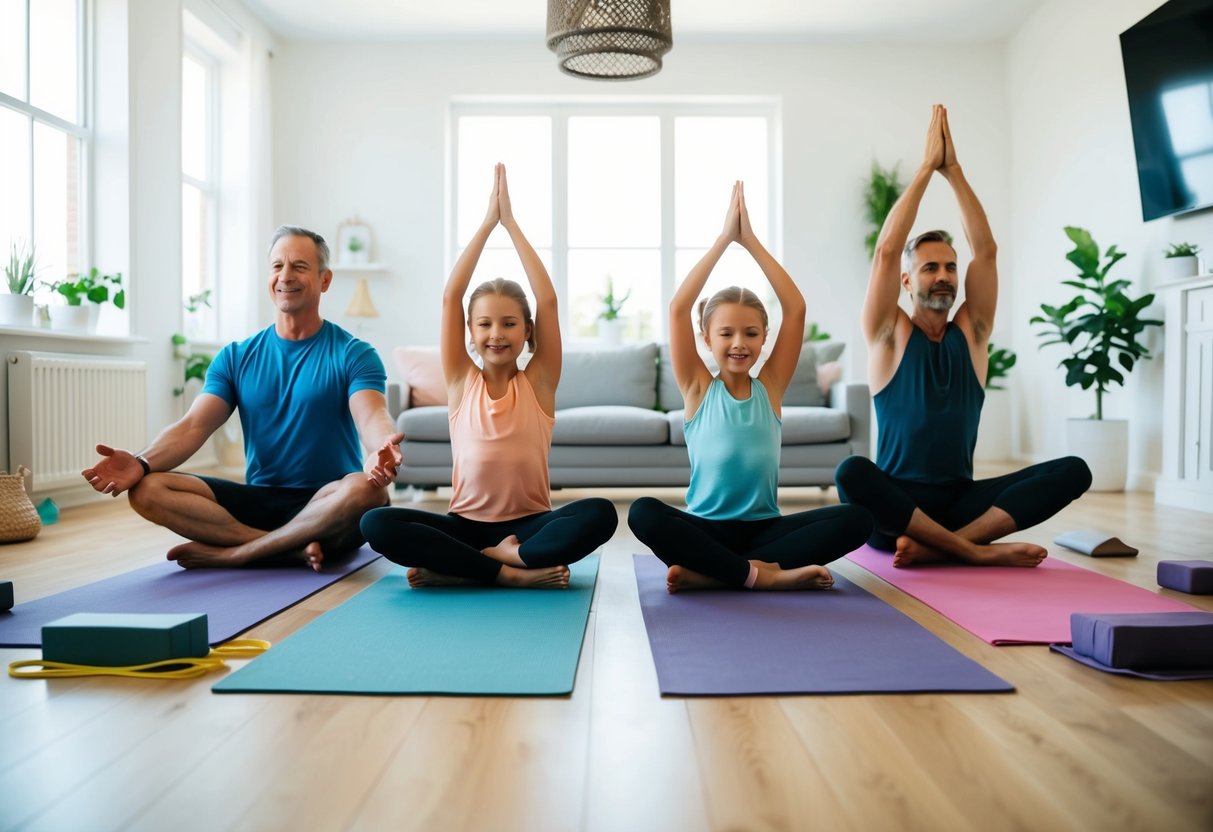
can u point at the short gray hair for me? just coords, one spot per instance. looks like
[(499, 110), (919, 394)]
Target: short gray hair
[(322, 248), (936, 236)]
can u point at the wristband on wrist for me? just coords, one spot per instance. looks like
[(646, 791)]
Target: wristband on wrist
[(147, 468)]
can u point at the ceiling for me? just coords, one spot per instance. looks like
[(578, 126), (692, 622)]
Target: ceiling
[(854, 20)]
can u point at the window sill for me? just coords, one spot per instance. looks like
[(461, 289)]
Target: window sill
[(64, 335)]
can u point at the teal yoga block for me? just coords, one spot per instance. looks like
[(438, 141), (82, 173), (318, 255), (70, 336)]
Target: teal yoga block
[(104, 639), (6, 595)]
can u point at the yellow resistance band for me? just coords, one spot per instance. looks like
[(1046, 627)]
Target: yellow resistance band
[(184, 668)]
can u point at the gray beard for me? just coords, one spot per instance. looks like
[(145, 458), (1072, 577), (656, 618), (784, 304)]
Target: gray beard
[(938, 302)]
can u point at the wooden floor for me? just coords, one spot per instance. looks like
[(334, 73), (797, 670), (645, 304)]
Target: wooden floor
[(1072, 749)]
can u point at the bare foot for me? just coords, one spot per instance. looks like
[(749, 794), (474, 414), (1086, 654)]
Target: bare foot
[(680, 578), (195, 555), (506, 552), (910, 552), (419, 577), (550, 577), (313, 555), (804, 577)]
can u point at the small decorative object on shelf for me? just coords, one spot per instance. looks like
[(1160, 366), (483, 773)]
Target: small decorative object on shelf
[(353, 243), (1180, 261)]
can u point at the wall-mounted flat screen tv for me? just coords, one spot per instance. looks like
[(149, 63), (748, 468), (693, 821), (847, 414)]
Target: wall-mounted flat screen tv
[(1168, 58)]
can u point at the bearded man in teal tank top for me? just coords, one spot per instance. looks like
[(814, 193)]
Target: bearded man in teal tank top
[(927, 375)]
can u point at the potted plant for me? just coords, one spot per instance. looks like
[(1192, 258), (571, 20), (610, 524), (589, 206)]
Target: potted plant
[(610, 325), (193, 305), (93, 287), (1100, 326), (994, 433), (196, 363), (883, 189), (17, 307), (815, 333), (1180, 261)]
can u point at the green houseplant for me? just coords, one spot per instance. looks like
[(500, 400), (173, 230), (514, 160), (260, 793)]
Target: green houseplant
[(1180, 261), (994, 431), (17, 307), (196, 363), (999, 363), (815, 333), (93, 287), (610, 325), (882, 190), (1100, 326)]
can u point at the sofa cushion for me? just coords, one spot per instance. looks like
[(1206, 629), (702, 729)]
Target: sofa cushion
[(610, 425), (621, 376), (804, 389), (425, 424), (801, 426), (817, 370), (421, 369)]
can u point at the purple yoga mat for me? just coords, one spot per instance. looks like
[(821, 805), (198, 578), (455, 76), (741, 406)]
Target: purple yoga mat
[(1155, 675), (841, 640), (1011, 604), (233, 599)]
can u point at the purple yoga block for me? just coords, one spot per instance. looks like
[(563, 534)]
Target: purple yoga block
[(1194, 577), (1145, 641)]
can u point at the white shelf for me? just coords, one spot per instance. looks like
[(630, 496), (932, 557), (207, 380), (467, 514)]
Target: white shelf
[(69, 335), (352, 269)]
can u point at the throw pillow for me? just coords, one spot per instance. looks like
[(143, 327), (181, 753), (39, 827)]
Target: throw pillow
[(421, 369)]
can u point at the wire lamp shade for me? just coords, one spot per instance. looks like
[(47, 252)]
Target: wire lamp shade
[(609, 40)]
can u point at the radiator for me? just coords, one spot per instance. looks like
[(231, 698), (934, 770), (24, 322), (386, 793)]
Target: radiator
[(60, 406)]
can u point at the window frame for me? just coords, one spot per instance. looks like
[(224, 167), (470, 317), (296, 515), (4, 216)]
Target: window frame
[(667, 109), (211, 188)]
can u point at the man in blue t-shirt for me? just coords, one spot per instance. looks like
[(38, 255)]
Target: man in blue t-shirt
[(927, 375), (307, 393)]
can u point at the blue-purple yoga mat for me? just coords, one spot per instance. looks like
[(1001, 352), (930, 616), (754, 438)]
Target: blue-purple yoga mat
[(233, 599), (842, 640)]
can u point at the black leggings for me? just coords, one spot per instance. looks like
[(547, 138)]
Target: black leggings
[(450, 544), (722, 549), (1030, 496)]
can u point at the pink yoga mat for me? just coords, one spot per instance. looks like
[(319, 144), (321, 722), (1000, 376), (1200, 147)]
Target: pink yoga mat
[(1012, 605)]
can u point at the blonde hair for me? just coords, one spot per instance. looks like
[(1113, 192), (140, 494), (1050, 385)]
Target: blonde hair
[(507, 289), (731, 294)]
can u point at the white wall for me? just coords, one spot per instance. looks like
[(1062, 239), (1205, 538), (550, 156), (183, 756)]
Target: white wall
[(1072, 163), (363, 128)]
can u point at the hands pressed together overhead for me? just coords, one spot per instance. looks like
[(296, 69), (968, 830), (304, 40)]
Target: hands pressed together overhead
[(941, 150)]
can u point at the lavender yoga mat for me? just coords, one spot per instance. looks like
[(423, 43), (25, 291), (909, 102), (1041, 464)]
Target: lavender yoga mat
[(842, 640), (233, 599), (1014, 605)]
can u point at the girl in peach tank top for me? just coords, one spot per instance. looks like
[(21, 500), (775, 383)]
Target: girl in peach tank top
[(500, 527)]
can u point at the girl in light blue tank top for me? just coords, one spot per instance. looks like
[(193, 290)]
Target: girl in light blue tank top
[(732, 534)]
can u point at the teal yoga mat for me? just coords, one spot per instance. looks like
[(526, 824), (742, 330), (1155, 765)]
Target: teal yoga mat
[(476, 640)]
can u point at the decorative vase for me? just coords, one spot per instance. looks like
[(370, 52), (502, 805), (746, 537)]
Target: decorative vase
[(1177, 268), (994, 433), (1104, 445), (610, 332), (71, 318), (16, 310)]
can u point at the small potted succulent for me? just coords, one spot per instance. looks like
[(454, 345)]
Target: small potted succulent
[(610, 325), (17, 307), (1180, 261)]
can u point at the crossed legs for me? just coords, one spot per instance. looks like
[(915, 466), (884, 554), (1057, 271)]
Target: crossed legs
[(921, 522), (187, 505)]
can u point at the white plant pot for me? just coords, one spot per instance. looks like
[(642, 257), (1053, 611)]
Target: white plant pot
[(16, 310), (1104, 445), (71, 318), (1177, 268), (994, 433), (610, 333)]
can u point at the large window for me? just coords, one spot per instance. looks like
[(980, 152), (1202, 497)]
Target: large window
[(199, 192), (44, 139), (626, 196)]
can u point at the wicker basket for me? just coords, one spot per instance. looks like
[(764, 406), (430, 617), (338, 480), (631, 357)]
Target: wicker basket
[(18, 518)]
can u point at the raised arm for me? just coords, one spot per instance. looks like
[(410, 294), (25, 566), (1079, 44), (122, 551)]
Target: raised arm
[(119, 470), (777, 371), (981, 279), (543, 370), (456, 363), (880, 309), (690, 372)]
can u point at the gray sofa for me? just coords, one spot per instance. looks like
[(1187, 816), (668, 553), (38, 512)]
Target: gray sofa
[(619, 422)]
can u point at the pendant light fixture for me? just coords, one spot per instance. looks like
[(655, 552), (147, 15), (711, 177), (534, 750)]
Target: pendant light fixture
[(609, 40)]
